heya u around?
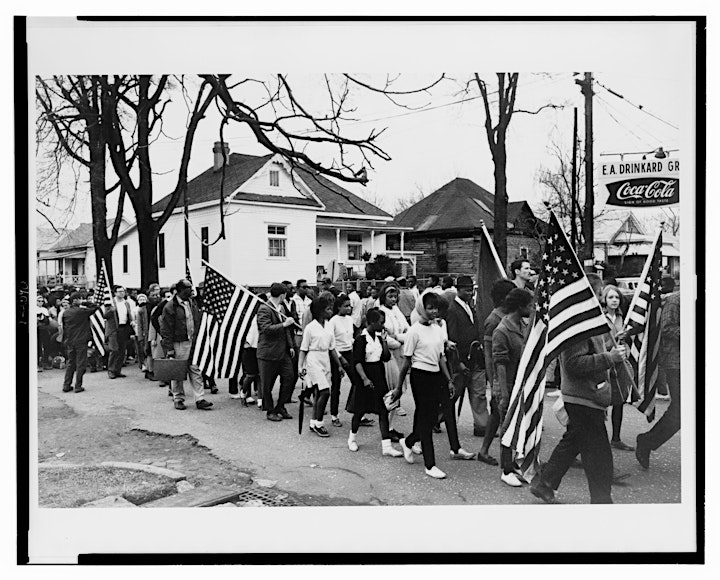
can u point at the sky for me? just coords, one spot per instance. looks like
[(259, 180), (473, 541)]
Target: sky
[(443, 137)]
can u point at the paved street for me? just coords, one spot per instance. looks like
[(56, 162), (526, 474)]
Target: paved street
[(324, 468)]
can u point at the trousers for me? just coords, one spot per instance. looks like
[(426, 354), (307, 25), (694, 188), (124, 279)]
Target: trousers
[(76, 364), (182, 352), (117, 356), (425, 387), (586, 434), (336, 380), (269, 371)]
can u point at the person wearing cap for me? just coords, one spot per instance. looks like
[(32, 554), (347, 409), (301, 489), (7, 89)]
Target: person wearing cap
[(468, 371), (179, 325), (275, 352), (76, 335)]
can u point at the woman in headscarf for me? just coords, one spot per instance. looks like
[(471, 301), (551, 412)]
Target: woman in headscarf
[(396, 328)]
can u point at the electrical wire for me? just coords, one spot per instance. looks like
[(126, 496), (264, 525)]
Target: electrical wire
[(605, 107), (638, 107)]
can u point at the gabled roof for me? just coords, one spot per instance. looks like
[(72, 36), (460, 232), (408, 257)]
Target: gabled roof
[(458, 205), (206, 188), (46, 238), (79, 237)]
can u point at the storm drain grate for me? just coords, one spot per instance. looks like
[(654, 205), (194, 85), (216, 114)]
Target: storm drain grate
[(268, 498)]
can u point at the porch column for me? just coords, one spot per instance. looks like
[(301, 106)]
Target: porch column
[(402, 245), (64, 270), (337, 242), (372, 243)]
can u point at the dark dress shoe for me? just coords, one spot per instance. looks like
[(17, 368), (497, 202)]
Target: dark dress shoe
[(150, 376), (67, 389), (395, 436), (437, 429), (79, 389), (478, 432), (284, 414), (274, 417), (366, 422), (622, 446), (541, 490), (112, 376), (122, 376), (485, 458), (180, 406), (203, 405)]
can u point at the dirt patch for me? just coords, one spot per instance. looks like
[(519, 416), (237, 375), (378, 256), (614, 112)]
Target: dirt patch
[(64, 435), (68, 488)]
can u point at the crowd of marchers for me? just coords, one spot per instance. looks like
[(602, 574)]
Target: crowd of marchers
[(390, 339)]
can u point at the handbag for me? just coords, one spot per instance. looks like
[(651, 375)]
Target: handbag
[(170, 369), (390, 403)]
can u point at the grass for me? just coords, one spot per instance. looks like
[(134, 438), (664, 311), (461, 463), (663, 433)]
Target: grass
[(69, 488)]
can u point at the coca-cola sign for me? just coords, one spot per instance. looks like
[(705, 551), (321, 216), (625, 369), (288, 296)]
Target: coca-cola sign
[(644, 192), (643, 183)]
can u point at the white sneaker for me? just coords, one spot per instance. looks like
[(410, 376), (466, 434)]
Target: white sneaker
[(352, 445), (511, 479), (462, 454), (390, 451), (417, 448), (250, 401), (407, 452), (435, 472), (235, 396)]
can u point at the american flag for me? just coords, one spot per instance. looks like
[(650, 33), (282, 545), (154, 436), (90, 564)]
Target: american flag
[(227, 311), (103, 297), (566, 312), (643, 324), (188, 275)]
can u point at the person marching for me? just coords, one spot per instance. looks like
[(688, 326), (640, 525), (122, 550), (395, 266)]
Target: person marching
[(507, 346), (396, 328), (316, 350), (370, 352), (342, 326), (424, 351)]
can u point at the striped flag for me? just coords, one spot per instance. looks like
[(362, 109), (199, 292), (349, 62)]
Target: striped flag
[(103, 298), (188, 275), (227, 311), (567, 311), (643, 324)]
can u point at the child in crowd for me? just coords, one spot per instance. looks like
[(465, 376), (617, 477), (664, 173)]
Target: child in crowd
[(316, 350), (343, 329), (370, 352)]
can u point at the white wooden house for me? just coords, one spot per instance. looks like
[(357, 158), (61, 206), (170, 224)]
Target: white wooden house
[(279, 225)]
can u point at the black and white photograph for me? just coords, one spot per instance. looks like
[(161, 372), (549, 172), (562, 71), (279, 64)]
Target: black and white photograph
[(356, 286)]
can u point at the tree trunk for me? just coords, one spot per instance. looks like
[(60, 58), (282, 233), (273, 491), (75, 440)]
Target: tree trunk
[(98, 202), (147, 236), (501, 202)]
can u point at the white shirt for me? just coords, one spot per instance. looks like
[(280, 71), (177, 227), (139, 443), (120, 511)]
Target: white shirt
[(342, 327), (425, 344), (124, 311), (251, 338), (318, 338), (373, 348), (301, 304), (396, 326), (466, 307), (356, 304)]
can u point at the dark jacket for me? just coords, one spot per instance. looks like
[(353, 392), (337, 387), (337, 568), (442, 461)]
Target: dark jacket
[(274, 340), (507, 345), (173, 326), (583, 367), (670, 324), (76, 324), (461, 329), (491, 323)]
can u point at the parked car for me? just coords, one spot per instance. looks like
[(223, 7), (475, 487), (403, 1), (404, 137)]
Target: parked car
[(627, 286)]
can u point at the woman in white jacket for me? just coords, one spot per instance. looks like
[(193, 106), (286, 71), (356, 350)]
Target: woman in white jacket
[(396, 327)]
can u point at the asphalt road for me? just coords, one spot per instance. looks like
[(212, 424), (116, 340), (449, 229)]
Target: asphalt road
[(308, 465)]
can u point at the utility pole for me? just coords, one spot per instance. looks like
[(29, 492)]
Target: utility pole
[(588, 229), (187, 227), (573, 186)]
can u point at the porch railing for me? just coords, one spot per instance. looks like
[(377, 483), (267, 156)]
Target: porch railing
[(58, 279)]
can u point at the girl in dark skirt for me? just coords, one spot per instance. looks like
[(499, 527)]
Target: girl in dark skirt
[(370, 352)]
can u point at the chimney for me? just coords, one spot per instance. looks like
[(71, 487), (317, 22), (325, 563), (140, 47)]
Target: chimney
[(221, 153)]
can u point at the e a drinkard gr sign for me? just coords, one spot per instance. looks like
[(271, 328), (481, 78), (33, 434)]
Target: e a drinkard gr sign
[(645, 183)]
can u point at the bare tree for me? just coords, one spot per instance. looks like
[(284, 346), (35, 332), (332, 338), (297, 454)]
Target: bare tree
[(496, 132), (408, 200)]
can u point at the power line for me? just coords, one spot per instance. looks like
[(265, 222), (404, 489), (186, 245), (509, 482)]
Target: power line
[(638, 107), (605, 107), (637, 125)]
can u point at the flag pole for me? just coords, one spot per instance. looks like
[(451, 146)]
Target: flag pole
[(644, 275), (492, 249), (252, 294), (110, 286)]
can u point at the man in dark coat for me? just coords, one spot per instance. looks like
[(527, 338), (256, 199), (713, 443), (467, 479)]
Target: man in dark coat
[(76, 335), (469, 375)]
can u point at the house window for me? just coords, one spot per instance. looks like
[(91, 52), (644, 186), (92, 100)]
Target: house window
[(354, 243), (277, 241), (275, 178), (74, 266), (161, 250), (125, 259), (441, 256), (523, 253), (204, 248)]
